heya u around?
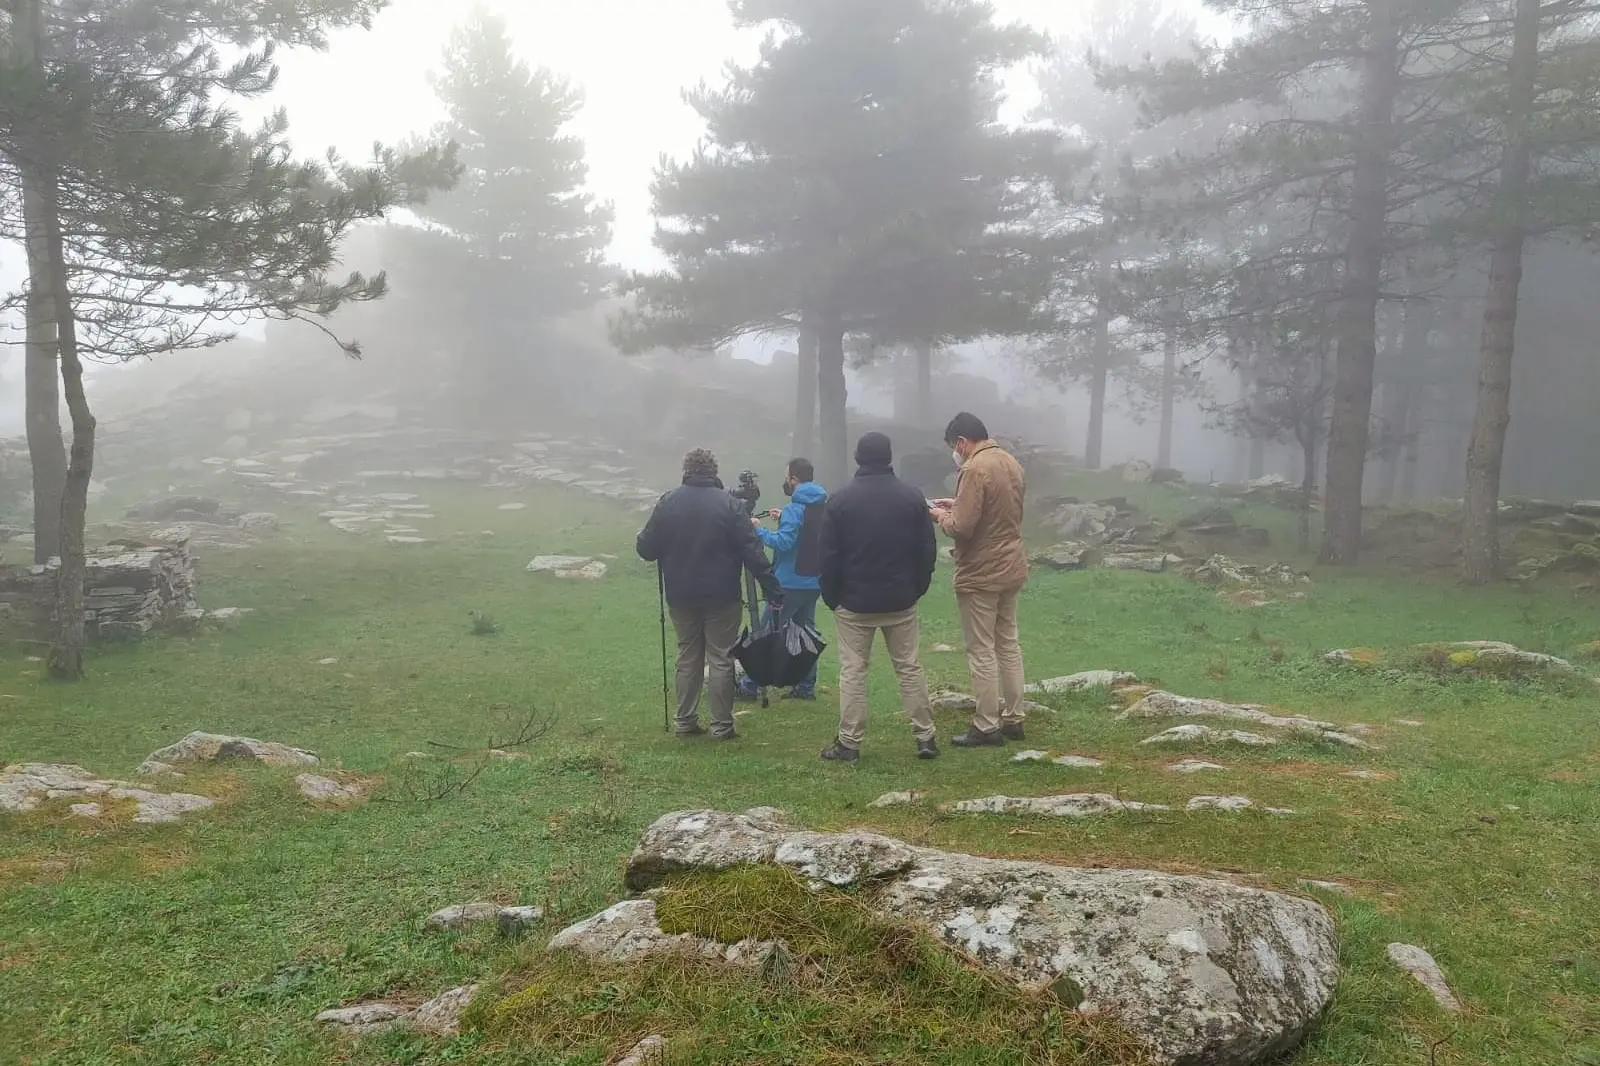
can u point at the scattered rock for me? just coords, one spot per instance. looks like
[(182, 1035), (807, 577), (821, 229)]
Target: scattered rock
[(1220, 803), (771, 815), (1419, 964), (1168, 705), (943, 649), (1077, 805), (365, 1019), (1410, 723), (441, 1015), (629, 931), (953, 701), (582, 567), (1366, 775), (651, 1051), (1354, 657), (499, 755), (1329, 886), (1194, 734), (513, 507), (166, 508), (1070, 556), (1149, 563), (1221, 570), (329, 661), (1077, 762), (405, 538), (321, 789), (1194, 766), (1081, 682), (214, 747), (899, 799), (1030, 756), (228, 616), (1199, 970), (24, 787), (259, 522)]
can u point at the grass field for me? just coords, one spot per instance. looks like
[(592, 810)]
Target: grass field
[(216, 940)]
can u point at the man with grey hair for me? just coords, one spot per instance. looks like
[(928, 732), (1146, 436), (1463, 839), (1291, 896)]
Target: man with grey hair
[(702, 540)]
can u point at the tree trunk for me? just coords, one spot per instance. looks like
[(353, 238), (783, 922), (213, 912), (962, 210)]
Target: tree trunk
[(1480, 555), (805, 394), (834, 460), (41, 396), (1169, 395), (1359, 291), (1100, 356), (47, 451), (922, 411), (1308, 486), (66, 654)]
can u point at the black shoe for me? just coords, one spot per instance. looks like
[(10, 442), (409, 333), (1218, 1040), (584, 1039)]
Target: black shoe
[(806, 694), (977, 738), (928, 749), (840, 752), (729, 735), (1013, 731), (695, 731)]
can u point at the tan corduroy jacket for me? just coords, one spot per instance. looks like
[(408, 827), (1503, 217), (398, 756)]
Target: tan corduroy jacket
[(986, 522)]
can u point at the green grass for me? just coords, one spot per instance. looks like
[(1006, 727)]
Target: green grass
[(216, 940)]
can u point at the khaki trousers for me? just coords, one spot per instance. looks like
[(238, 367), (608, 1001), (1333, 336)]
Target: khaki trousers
[(994, 656), (855, 636), (706, 635)]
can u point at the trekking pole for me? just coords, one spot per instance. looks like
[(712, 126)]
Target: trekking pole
[(661, 600)]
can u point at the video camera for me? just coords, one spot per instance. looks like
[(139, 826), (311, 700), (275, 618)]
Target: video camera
[(748, 493)]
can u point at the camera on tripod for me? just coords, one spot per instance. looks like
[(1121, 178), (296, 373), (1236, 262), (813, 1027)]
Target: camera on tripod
[(748, 492)]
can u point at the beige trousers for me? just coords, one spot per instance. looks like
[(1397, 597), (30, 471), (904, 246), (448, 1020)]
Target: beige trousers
[(706, 636), (994, 656), (856, 633)]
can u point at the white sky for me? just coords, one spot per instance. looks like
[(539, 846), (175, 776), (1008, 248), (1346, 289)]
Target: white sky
[(632, 58)]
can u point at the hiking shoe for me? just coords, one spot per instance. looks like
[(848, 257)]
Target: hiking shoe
[(839, 752), (1013, 731), (977, 738), (697, 730), (800, 694), (928, 749), (731, 734)]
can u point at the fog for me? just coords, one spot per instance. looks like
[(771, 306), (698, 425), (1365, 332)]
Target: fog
[(480, 360)]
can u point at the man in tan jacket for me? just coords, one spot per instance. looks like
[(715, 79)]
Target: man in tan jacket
[(985, 521)]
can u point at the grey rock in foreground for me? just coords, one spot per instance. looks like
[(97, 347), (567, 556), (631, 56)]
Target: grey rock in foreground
[(629, 931), (1202, 971), (1081, 682), (214, 747), (320, 789), (651, 1051), (25, 786), (1419, 964)]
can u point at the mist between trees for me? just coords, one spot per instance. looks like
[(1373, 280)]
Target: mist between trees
[(1351, 236)]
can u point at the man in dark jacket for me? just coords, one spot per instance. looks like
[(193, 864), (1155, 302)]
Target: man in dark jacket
[(703, 541), (878, 554)]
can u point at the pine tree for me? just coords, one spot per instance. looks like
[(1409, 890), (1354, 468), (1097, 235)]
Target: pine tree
[(518, 241), (854, 181), (149, 220)]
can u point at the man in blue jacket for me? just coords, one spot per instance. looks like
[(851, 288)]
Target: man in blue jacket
[(796, 559)]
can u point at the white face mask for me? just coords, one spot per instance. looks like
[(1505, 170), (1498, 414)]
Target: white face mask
[(957, 457)]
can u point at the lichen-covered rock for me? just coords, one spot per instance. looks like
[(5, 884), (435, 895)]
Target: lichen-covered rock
[(214, 747), (320, 789), (1204, 972), (899, 799), (1170, 705), (843, 858), (630, 931), (465, 915), (700, 840), (651, 1051), (365, 1019), (1077, 805), (1077, 762)]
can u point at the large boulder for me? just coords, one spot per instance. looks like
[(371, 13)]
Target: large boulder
[(1203, 972)]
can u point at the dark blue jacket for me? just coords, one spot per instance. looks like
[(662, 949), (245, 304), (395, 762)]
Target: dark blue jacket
[(702, 538), (878, 548)]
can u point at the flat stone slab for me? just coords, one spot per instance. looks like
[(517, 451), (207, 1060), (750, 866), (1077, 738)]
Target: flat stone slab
[(899, 799), (580, 567), (464, 916), (1203, 972), (1204, 734), (1086, 681), (1195, 766), (25, 786), (1168, 705), (1076, 805)]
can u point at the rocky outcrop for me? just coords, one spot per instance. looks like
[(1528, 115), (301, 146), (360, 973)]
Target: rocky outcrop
[(630, 931), (1204, 734), (1077, 805), (1203, 972), (129, 592), (214, 747), (26, 786)]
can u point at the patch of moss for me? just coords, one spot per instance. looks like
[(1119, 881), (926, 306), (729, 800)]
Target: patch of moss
[(852, 988)]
